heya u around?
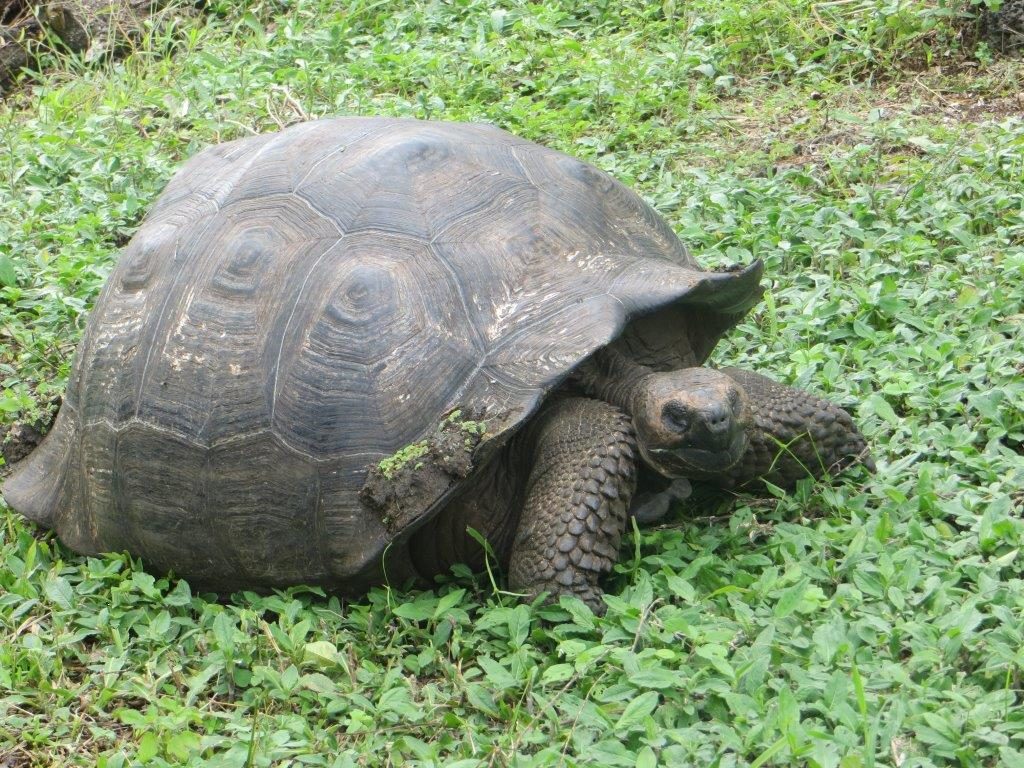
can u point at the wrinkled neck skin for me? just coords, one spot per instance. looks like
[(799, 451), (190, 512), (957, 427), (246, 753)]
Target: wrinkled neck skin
[(613, 377)]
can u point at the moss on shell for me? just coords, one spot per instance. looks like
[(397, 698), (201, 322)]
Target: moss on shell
[(473, 429), (402, 457)]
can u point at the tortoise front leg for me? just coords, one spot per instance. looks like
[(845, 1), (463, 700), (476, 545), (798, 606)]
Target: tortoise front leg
[(577, 500), (793, 434)]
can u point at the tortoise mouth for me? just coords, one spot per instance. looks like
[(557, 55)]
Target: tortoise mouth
[(691, 461)]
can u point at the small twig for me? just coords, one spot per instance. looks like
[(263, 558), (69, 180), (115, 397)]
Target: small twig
[(821, 22), (936, 94), (252, 131), (270, 636), (296, 107), (643, 620), (830, 3), (27, 625), (273, 115)]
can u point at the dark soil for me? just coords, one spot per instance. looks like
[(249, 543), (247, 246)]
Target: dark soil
[(28, 30), (14, 760), (19, 439), (13, 11)]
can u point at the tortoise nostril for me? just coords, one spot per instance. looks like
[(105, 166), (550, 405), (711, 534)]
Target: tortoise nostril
[(718, 417)]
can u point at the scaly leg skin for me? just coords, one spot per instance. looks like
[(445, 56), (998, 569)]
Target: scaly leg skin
[(577, 499), (793, 435)]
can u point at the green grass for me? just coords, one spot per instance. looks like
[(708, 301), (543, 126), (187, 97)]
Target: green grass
[(879, 622)]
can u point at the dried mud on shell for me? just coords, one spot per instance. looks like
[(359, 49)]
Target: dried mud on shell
[(402, 494)]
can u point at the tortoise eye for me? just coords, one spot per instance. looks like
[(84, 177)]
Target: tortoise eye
[(734, 400), (677, 417)]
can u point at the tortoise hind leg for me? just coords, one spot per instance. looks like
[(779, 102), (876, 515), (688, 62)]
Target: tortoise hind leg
[(577, 499), (35, 484), (793, 435)]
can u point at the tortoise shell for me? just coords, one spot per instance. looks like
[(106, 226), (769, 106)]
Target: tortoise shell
[(298, 305)]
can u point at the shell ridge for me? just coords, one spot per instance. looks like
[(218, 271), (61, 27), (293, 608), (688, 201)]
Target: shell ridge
[(288, 323), (319, 214), (337, 151), (513, 150), (216, 200), (484, 206), (119, 427), (479, 344), (140, 388)]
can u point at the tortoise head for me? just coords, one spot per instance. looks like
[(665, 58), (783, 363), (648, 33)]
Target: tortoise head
[(691, 422)]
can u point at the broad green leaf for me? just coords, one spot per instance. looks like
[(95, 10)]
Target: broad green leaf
[(322, 653), (7, 274), (290, 677), (420, 610), (556, 673), (447, 602), (637, 710), (181, 745), (198, 681), (496, 673), (646, 758), (791, 597), (149, 747), (60, 592), (654, 677), (518, 625), (318, 682)]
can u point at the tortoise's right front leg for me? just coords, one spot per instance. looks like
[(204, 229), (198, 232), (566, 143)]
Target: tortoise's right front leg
[(577, 500)]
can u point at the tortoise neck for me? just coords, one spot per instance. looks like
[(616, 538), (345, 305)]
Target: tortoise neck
[(613, 377)]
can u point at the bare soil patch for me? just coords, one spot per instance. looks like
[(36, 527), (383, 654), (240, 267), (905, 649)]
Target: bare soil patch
[(805, 131), (93, 28)]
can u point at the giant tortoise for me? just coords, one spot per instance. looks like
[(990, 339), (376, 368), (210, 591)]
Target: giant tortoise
[(330, 352)]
